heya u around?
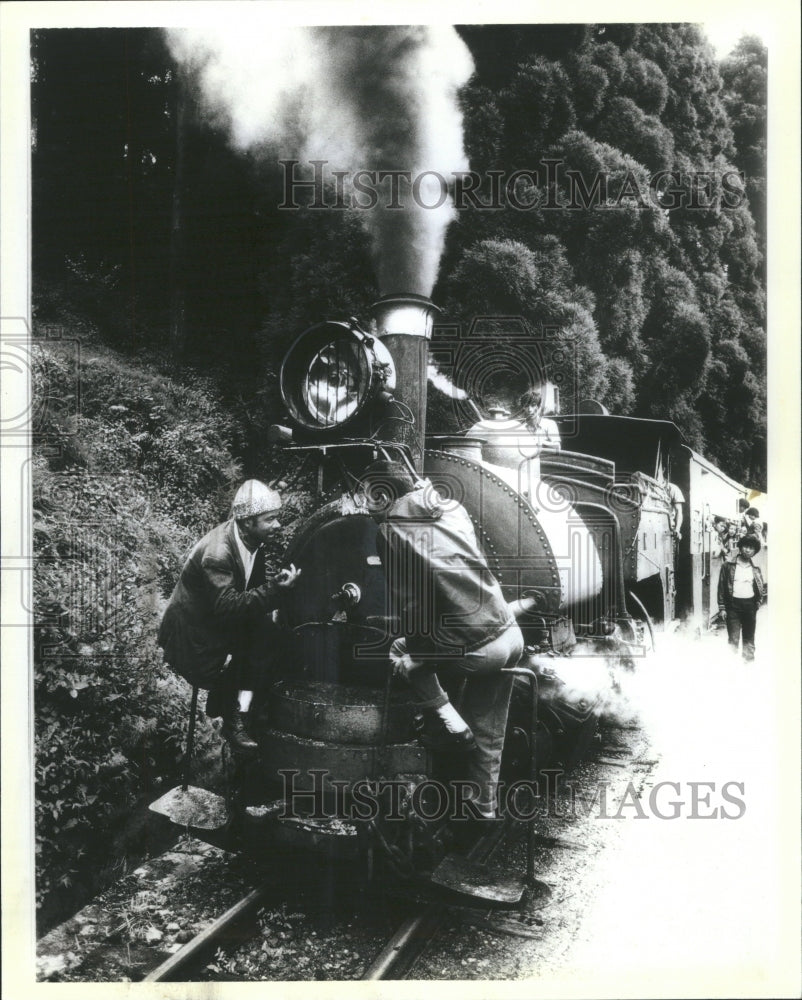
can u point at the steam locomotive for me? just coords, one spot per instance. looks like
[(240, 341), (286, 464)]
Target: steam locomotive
[(585, 533)]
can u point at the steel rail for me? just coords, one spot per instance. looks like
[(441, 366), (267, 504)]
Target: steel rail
[(193, 949), (407, 944), (416, 933)]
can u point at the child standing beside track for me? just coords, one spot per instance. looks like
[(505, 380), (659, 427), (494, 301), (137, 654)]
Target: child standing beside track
[(740, 594)]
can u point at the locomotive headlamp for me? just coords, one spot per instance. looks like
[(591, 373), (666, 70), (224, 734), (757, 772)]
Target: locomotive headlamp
[(332, 373)]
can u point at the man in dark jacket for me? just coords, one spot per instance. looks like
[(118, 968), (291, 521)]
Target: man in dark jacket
[(453, 614), (218, 615), (740, 594)]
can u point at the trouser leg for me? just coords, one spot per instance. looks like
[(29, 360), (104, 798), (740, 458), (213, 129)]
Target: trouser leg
[(733, 626), (748, 615), (485, 708), (262, 650), (223, 692), (426, 687), (240, 673), (485, 705)]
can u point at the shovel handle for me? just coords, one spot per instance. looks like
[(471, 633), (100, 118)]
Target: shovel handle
[(193, 712)]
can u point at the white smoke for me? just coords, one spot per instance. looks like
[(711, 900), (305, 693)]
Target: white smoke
[(359, 97), (444, 384)]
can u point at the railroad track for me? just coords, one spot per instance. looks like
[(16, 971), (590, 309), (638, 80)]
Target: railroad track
[(395, 961), (415, 938), (417, 933), (411, 941), (407, 945), (199, 947)]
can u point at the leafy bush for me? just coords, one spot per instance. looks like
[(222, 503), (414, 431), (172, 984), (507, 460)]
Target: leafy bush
[(129, 468)]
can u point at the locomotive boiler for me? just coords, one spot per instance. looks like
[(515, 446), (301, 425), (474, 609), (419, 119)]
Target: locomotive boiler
[(336, 731)]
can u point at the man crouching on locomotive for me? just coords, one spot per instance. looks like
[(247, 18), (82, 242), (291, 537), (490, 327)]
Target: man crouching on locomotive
[(218, 617), (453, 613)]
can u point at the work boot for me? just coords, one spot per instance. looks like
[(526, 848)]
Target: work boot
[(443, 729), (234, 731)]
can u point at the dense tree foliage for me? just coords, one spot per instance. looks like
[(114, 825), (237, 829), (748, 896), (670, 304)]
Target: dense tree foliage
[(745, 74), (641, 238), (663, 254)]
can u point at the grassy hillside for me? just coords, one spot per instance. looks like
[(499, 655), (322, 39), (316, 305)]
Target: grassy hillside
[(130, 467)]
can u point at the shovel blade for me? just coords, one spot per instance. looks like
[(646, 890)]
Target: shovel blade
[(469, 878), (192, 806)]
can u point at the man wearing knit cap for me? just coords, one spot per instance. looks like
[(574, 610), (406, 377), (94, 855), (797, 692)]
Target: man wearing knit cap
[(216, 615)]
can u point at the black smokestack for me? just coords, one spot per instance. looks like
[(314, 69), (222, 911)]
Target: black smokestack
[(405, 323)]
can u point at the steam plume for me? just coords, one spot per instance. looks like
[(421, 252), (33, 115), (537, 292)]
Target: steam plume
[(444, 383), (361, 98)]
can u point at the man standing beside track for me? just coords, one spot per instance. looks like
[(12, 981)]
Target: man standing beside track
[(453, 614), (217, 622)]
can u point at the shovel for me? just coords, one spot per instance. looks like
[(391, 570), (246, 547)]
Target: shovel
[(187, 805)]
